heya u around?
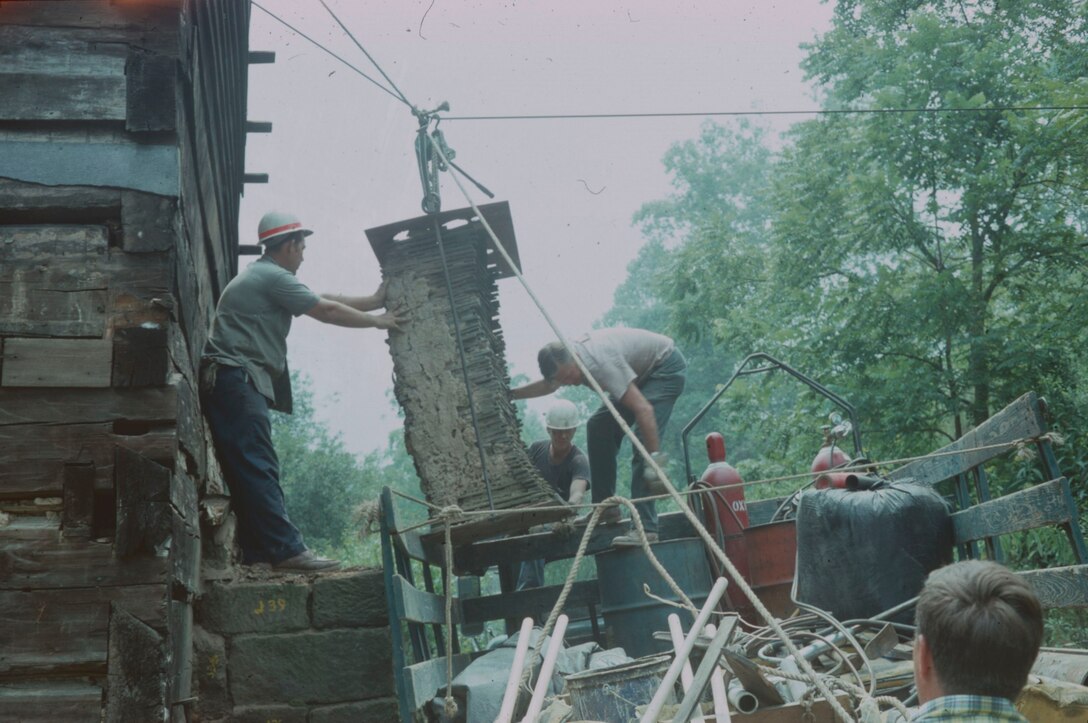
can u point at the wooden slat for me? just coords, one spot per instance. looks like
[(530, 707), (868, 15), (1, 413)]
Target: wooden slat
[(1020, 420), (54, 630), (1043, 504), (1060, 587), (57, 363), (417, 606), (32, 203), (423, 680), (150, 91), (525, 603), (138, 19), (77, 517)]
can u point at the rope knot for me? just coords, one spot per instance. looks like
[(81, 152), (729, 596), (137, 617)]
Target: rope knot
[(450, 513)]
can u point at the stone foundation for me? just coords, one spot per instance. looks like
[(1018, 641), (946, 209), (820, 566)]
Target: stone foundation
[(294, 648)]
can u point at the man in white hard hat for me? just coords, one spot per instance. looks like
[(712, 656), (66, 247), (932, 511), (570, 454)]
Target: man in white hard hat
[(643, 373), (563, 465), (244, 374)]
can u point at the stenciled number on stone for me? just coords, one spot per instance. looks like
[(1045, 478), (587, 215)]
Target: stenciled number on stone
[(275, 605)]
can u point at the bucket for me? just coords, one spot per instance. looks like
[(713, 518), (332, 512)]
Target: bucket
[(630, 616), (613, 694)]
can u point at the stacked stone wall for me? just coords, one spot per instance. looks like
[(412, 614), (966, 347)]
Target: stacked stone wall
[(295, 650)]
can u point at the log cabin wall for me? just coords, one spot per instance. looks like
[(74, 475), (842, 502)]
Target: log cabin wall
[(122, 143)]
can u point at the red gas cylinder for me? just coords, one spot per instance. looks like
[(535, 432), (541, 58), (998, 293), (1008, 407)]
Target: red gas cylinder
[(724, 508), (827, 458)]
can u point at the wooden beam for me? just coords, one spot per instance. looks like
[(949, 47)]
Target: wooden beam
[(57, 363), (46, 701), (140, 357), (149, 91), (148, 222), (258, 57), (54, 563), (77, 516), (137, 670), (54, 630), (255, 178), (83, 406), (143, 505), (258, 126)]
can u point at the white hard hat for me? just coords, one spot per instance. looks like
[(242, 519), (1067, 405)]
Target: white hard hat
[(562, 415), (277, 223)]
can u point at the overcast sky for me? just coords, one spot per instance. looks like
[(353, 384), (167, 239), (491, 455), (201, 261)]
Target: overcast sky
[(341, 154)]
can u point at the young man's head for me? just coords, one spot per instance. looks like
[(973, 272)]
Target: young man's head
[(979, 629), (557, 366), (561, 421)]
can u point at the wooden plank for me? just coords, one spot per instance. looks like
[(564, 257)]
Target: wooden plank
[(49, 701), (1060, 587), (83, 406), (143, 505), (150, 91), (526, 603), (54, 563), (32, 457), (417, 606), (140, 357), (55, 630), (57, 363), (423, 680), (77, 517), (149, 167), (1020, 420), (1043, 504)]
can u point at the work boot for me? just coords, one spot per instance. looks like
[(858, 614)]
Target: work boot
[(609, 516), (307, 561), (631, 539)]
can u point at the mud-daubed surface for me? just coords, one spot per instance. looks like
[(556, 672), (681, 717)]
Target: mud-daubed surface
[(429, 383)]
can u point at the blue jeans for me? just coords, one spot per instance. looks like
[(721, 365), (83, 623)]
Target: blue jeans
[(242, 432), (604, 436)]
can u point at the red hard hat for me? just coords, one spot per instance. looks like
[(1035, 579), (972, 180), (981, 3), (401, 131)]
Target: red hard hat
[(277, 223)]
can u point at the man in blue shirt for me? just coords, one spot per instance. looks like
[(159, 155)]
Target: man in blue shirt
[(244, 374), (979, 630)]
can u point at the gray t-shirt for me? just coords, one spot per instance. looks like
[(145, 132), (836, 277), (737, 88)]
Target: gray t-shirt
[(253, 319), (617, 357), (560, 476)]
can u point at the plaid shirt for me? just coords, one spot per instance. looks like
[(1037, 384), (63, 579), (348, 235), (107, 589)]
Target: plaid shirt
[(968, 709)]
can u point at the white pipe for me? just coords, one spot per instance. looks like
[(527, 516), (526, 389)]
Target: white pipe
[(510, 697), (717, 688), (673, 672), (541, 689), (796, 688), (741, 699), (677, 635)]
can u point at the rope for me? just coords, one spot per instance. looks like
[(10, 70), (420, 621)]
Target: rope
[(449, 514), (855, 691), (359, 45)]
